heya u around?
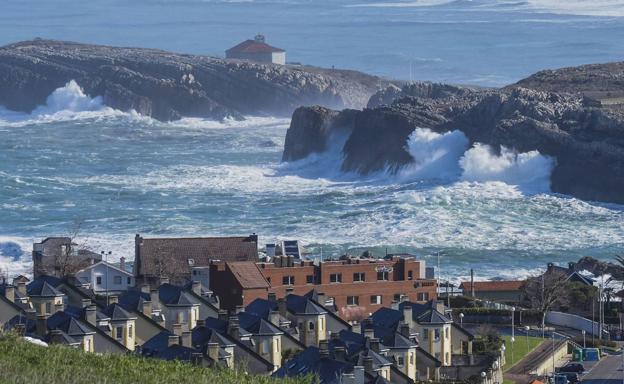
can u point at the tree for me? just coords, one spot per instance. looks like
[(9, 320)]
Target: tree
[(70, 255), (546, 291)]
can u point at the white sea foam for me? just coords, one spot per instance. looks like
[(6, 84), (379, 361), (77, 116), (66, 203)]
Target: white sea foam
[(609, 8)]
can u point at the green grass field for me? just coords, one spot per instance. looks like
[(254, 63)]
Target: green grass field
[(519, 349), (23, 362)]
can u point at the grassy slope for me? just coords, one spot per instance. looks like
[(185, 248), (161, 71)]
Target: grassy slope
[(519, 349), (23, 362)]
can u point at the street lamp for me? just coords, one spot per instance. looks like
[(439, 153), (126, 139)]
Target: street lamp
[(502, 348), (527, 329), (461, 319), (584, 332), (513, 339)]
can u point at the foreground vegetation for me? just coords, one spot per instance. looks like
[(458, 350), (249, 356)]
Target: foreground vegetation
[(23, 362)]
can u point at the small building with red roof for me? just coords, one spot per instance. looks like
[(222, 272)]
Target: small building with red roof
[(257, 50)]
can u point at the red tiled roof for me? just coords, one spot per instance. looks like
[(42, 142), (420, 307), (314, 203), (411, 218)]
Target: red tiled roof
[(248, 274), (253, 46), (486, 286), (177, 253)]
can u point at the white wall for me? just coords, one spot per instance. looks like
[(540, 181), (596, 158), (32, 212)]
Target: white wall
[(279, 58), (106, 273)]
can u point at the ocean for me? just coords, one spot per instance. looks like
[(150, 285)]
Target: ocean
[(74, 162)]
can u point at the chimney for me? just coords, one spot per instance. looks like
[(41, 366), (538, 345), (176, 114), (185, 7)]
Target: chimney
[(274, 317), (233, 328), (42, 325), (368, 333), (472, 287), (405, 330), (113, 299), (173, 340), (154, 296), (368, 364), (9, 293), (272, 296), (147, 308), (196, 288), (222, 314), (90, 315), (374, 344), (163, 280), (122, 263), (21, 288), (196, 358), (324, 349), (238, 309), (201, 322), (407, 313), (60, 307), (145, 288), (213, 351), (42, 308), (281, 306), (320, 298), (358, 374), (339, 353), (56, 336), (177, 329), (85, 303), (571, 266), (186, 339)]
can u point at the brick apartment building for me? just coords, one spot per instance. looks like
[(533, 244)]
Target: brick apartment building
[(355, 286)]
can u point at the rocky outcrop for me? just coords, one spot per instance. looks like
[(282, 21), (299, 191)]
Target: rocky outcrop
[(167, 85), (586, 140)]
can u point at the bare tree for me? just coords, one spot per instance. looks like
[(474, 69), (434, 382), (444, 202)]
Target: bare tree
[(546, 291), (66, 259)]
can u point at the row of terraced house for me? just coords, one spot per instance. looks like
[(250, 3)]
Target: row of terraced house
[(218, 302)]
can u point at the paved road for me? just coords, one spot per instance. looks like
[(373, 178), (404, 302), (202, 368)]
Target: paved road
[(607, 371)]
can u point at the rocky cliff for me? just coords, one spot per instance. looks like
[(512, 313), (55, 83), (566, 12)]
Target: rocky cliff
[(585, 137), (167, 85)]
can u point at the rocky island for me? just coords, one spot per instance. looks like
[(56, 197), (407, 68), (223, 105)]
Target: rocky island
[(572, 115), (167, 86)]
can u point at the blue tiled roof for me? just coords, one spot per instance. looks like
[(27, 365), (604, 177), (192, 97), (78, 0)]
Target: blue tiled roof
[(309, 361), (132, 300), (68, 324), (303, 305), (40, 287), (257, 325), (201, 336), (387, 318), (156, 344), (173, 295), (261, 307)]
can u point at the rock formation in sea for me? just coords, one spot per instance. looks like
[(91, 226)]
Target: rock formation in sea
[(581, 127), (167, 86)]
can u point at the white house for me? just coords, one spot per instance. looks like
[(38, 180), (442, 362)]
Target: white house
[(104, 277), (257, 50)]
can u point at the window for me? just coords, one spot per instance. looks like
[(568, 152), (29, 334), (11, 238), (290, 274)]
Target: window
[(129, 280), (448, 358), (119, 333), (436, 334), (401, 361), (309, 279), (447, 333), (277, 344), (311, 326), (335, 278), (423, 296), (98, 280), (382, 276), (48, 308), (264, 345), (130, 331), (410, 276), (411, 358), (375, 299), (397, 297), (425, 334), (353, 300), (359, 276), (117, 280), (288, 280)]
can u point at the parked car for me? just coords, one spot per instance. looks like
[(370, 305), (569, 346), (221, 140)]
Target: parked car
[(572, 377), (572, 367)]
